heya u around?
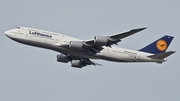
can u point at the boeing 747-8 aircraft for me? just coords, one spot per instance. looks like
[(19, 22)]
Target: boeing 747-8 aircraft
[(79, 52)]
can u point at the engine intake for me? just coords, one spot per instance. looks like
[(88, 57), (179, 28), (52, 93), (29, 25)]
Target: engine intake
[(77, 63), (101, 40), (76, 45), (63, 58)]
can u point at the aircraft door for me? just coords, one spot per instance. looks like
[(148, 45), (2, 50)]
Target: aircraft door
[(133, 56), (56, 40), (107, 50), (27, 34), (19, 33)]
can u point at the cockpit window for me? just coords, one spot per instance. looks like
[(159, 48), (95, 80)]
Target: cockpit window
[(18, 27)]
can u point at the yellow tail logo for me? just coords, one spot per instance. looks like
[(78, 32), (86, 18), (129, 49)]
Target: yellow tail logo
[(161, 45)]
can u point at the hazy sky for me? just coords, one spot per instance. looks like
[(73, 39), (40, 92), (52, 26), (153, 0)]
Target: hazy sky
[(32, 74)]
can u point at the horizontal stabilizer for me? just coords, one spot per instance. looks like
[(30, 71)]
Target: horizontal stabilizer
[(162, 55)]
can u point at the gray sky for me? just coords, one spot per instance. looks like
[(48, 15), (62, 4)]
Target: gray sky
[(32, 74)]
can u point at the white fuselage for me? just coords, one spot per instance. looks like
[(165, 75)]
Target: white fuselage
[(56, 42)]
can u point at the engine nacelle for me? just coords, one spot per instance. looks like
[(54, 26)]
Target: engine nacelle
[(77, 63), (63, 58), (101, 40), (76, 45)]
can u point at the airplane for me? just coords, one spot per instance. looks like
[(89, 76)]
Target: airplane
[(79, 52)]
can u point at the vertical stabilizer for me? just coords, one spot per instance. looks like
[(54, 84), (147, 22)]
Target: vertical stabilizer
[(159, 45)]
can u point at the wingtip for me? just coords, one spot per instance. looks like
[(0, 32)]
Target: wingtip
[(173, 51), (143, 28), (139, 29)]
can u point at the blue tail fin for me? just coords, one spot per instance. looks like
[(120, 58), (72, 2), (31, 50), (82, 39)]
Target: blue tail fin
[(158, 46)]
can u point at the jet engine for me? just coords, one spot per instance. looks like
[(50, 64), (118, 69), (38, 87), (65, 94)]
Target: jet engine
[(77, 63), (63, 58), (101, 40), (76, 45)]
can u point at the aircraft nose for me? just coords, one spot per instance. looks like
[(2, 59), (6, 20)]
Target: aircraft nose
[(7, 33)]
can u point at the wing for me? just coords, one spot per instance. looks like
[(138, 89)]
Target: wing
[(94, 46), (112, 39), (126, 34), (76, 61)]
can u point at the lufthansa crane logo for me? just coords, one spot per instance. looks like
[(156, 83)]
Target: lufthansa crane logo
[(161, 45)]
